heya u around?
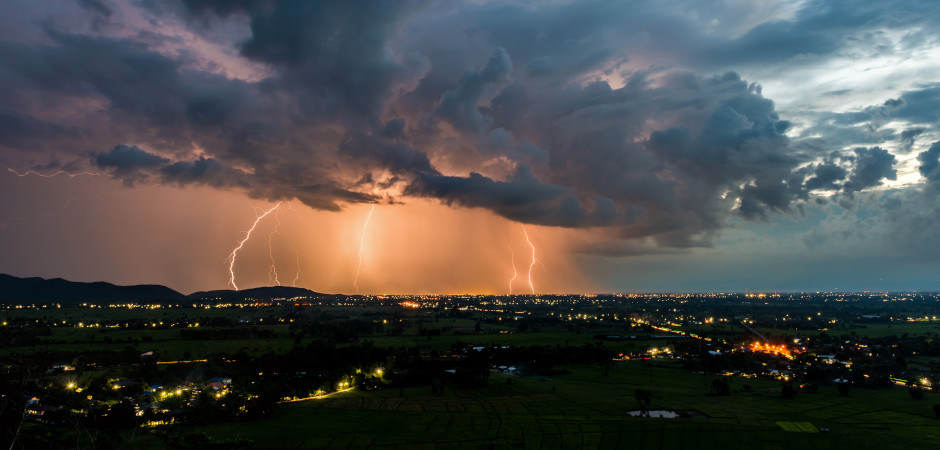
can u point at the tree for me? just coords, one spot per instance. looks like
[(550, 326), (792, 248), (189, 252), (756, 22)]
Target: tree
[(787, 390), (720, 386), (644, 397), (843, 389)]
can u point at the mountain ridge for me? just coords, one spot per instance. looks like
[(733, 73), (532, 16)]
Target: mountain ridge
[(58, 290), (266, 293)]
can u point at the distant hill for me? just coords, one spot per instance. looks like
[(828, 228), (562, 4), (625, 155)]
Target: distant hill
[(261, 293), (57, 290)]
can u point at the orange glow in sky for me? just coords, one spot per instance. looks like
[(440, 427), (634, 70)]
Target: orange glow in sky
[(231, 267), (184, 239)]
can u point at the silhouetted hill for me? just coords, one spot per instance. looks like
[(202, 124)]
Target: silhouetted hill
[(57, 290), (261, 293)]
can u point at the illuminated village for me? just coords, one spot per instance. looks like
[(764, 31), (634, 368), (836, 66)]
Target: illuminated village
[(126, 367), (470, 224)]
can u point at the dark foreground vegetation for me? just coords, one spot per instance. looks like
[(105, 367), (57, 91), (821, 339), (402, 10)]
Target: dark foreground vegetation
[(717, 371)]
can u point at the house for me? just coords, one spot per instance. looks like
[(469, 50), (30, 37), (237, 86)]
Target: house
[(219, 383)]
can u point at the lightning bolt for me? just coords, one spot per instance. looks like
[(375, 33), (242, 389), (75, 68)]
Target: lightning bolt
[(272, 271), (231, 258), (532, 264), (362, 239), (50, 175), (65, 204), (515, 274), (290, 207), (297, 258)]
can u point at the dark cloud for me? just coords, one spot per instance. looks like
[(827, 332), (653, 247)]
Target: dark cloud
[(459, 107), (227, 7), (921, 105), (203, 171), (489, 105), (825, 176), (740, 143), (125, 160), (930, 164), (907, 138), (333, 54), (24, 132), (97, 6), (871, 166), (774, 41), (132, 164), (393, 129), (683, 181), (821, 28), (918, 106), (397, 157), (896, 224), (522, 198)]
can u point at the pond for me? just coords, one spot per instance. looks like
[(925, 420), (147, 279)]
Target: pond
[(661, 413)]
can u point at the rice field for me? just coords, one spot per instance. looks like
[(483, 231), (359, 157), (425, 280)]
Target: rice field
[(585, 409)]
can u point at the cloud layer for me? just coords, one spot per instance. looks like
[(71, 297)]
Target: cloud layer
[(638, 119)]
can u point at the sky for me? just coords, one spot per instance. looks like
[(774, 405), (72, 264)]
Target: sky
[(418, 146)]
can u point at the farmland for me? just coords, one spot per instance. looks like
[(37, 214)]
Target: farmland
[(476, 372), (584, 409)]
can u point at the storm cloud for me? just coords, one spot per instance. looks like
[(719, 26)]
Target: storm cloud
[(578, 115)]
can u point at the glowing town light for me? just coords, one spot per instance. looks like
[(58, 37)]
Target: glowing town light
[(50, 175), (532, 264), (362, 239), (231, 266), (780, 350), (515, 274)]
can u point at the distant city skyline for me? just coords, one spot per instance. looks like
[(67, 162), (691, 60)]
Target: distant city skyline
[(472, 147)]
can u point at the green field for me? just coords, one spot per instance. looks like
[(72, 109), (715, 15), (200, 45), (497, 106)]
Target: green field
[(585, 409), (92, 315), (582, 407), (872, 330), (171, 346), (167, 342)]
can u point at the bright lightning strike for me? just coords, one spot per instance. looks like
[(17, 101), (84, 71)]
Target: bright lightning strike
[(231, 266), (67, 202), (297, 261), (50, 175), (290, 207), (272, 271), (515, 273), (532, 264), (362, 239)]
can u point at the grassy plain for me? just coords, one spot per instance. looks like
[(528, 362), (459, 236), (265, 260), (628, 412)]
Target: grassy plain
[(585, 409), (170, 345)]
